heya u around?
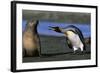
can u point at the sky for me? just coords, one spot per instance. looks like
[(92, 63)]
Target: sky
[(43, 28)]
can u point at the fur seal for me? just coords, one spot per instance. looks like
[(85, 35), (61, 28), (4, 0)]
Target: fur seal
[(30, 39)]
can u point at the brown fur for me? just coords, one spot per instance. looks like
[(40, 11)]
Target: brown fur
[(31, 40)]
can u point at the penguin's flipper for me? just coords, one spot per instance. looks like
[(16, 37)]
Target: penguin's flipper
[(69, 43)]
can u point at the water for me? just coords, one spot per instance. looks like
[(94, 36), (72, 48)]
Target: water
[(43, 28)]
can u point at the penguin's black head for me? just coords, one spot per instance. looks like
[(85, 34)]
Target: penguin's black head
[(57, 29)]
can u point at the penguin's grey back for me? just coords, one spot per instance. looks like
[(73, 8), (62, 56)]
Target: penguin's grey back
[(76, 31)]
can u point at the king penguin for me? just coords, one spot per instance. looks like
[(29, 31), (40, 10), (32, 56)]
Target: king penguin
[(74, 37)]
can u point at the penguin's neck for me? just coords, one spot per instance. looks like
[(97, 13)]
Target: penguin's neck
[(62, 30), (70, 34)]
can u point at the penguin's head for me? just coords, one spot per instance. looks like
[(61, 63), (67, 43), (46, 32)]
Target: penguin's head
[(67, 31), (57, 29)]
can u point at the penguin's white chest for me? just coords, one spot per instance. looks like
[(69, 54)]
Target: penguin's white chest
[(74, 38)]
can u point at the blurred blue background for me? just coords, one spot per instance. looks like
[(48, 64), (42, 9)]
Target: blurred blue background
[(43, 28)]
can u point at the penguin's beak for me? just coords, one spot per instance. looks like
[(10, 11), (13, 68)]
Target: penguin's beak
[(55, 29), (52, 28)]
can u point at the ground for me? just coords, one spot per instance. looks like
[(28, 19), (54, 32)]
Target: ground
[(61, 57), (58, 52)]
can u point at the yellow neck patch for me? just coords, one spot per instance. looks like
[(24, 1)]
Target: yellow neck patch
[(70, 33)]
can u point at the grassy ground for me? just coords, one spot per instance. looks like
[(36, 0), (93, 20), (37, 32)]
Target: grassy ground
[(56, 16), (56, 49)]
